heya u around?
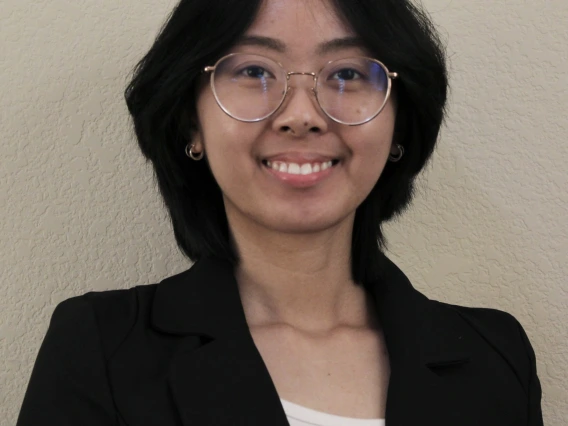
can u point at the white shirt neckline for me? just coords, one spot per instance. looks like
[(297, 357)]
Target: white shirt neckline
[(318, 418)]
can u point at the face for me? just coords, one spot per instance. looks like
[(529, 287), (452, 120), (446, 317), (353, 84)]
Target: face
[(298, 132)]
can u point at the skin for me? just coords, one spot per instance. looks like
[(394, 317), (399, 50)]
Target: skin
[(294, 277)]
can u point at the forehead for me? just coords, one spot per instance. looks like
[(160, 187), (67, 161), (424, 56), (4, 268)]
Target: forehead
[(300, 27)]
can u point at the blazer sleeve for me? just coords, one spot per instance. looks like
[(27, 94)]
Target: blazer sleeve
[(69, 385), (534, 388)]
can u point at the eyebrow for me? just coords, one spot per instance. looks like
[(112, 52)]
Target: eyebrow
[(322, 49)]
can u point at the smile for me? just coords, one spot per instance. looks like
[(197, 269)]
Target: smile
[(300, 175), (299, 169)]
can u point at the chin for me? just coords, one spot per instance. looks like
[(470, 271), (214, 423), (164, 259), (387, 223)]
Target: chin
[(301, 224)]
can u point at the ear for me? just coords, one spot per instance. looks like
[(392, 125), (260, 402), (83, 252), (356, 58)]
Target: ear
[(191, 131), (197, 141), (393, 149), (400, 130)]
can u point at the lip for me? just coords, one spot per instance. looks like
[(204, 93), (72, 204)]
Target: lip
[(301, 181)]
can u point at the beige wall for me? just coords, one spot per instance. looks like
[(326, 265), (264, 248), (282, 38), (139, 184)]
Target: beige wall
[(79, 211)]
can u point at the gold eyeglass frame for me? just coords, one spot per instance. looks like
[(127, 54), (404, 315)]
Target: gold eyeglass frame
[(211, 69)]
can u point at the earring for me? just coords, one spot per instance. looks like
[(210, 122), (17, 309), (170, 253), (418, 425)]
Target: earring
[(189, 152), (395, 158)]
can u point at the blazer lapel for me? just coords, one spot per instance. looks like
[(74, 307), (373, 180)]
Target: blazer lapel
[(225, 382), (427, 351)]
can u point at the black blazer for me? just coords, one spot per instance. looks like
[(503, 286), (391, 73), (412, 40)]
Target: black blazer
[(180, 353)]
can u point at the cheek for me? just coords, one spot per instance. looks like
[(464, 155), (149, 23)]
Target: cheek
[(370, 145), (371, 163), (228, 154), (216, 128)]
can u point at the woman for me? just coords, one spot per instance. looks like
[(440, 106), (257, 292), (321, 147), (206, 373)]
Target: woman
[(283, 134)]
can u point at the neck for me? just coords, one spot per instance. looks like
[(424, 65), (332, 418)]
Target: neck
[(300, 280)]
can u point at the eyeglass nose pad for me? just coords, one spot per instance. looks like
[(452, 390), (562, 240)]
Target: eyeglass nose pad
[(313, 89), (286, 98)]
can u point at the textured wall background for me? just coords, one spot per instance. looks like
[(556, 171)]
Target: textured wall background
[(79, 210)]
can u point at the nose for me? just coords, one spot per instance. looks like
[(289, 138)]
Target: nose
[(300, 113)]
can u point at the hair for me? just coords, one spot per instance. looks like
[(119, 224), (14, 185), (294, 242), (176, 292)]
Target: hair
[(162, 95)]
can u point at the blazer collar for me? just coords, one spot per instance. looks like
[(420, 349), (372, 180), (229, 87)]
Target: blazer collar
[(205, 301), (422, 337), (416, 329)]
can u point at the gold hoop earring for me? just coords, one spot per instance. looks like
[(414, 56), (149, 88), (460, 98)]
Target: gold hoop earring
[(189, 152), (395, 158)]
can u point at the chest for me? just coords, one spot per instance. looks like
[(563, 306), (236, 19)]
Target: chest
[(345, 374)]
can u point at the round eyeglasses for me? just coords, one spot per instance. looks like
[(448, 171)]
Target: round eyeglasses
[(251, 88)]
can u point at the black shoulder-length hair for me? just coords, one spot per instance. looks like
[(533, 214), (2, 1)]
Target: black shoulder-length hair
[(162, 95)]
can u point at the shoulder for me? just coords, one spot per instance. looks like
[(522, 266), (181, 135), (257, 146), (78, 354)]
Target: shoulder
[(491, 323), (111, 314), (486, 320), (70, 381)]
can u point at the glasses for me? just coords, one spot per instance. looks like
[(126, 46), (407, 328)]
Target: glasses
[(251, 88)]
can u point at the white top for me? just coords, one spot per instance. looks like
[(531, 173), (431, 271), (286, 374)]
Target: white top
[(303, 416)]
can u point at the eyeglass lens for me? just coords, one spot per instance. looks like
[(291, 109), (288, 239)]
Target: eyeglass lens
[(251, 87)]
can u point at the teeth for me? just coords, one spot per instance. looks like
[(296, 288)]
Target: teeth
[(306, 169), (293, 169), (296, 169)]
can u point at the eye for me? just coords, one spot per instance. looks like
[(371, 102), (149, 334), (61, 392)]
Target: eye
[(348, 74), (255, 72)]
